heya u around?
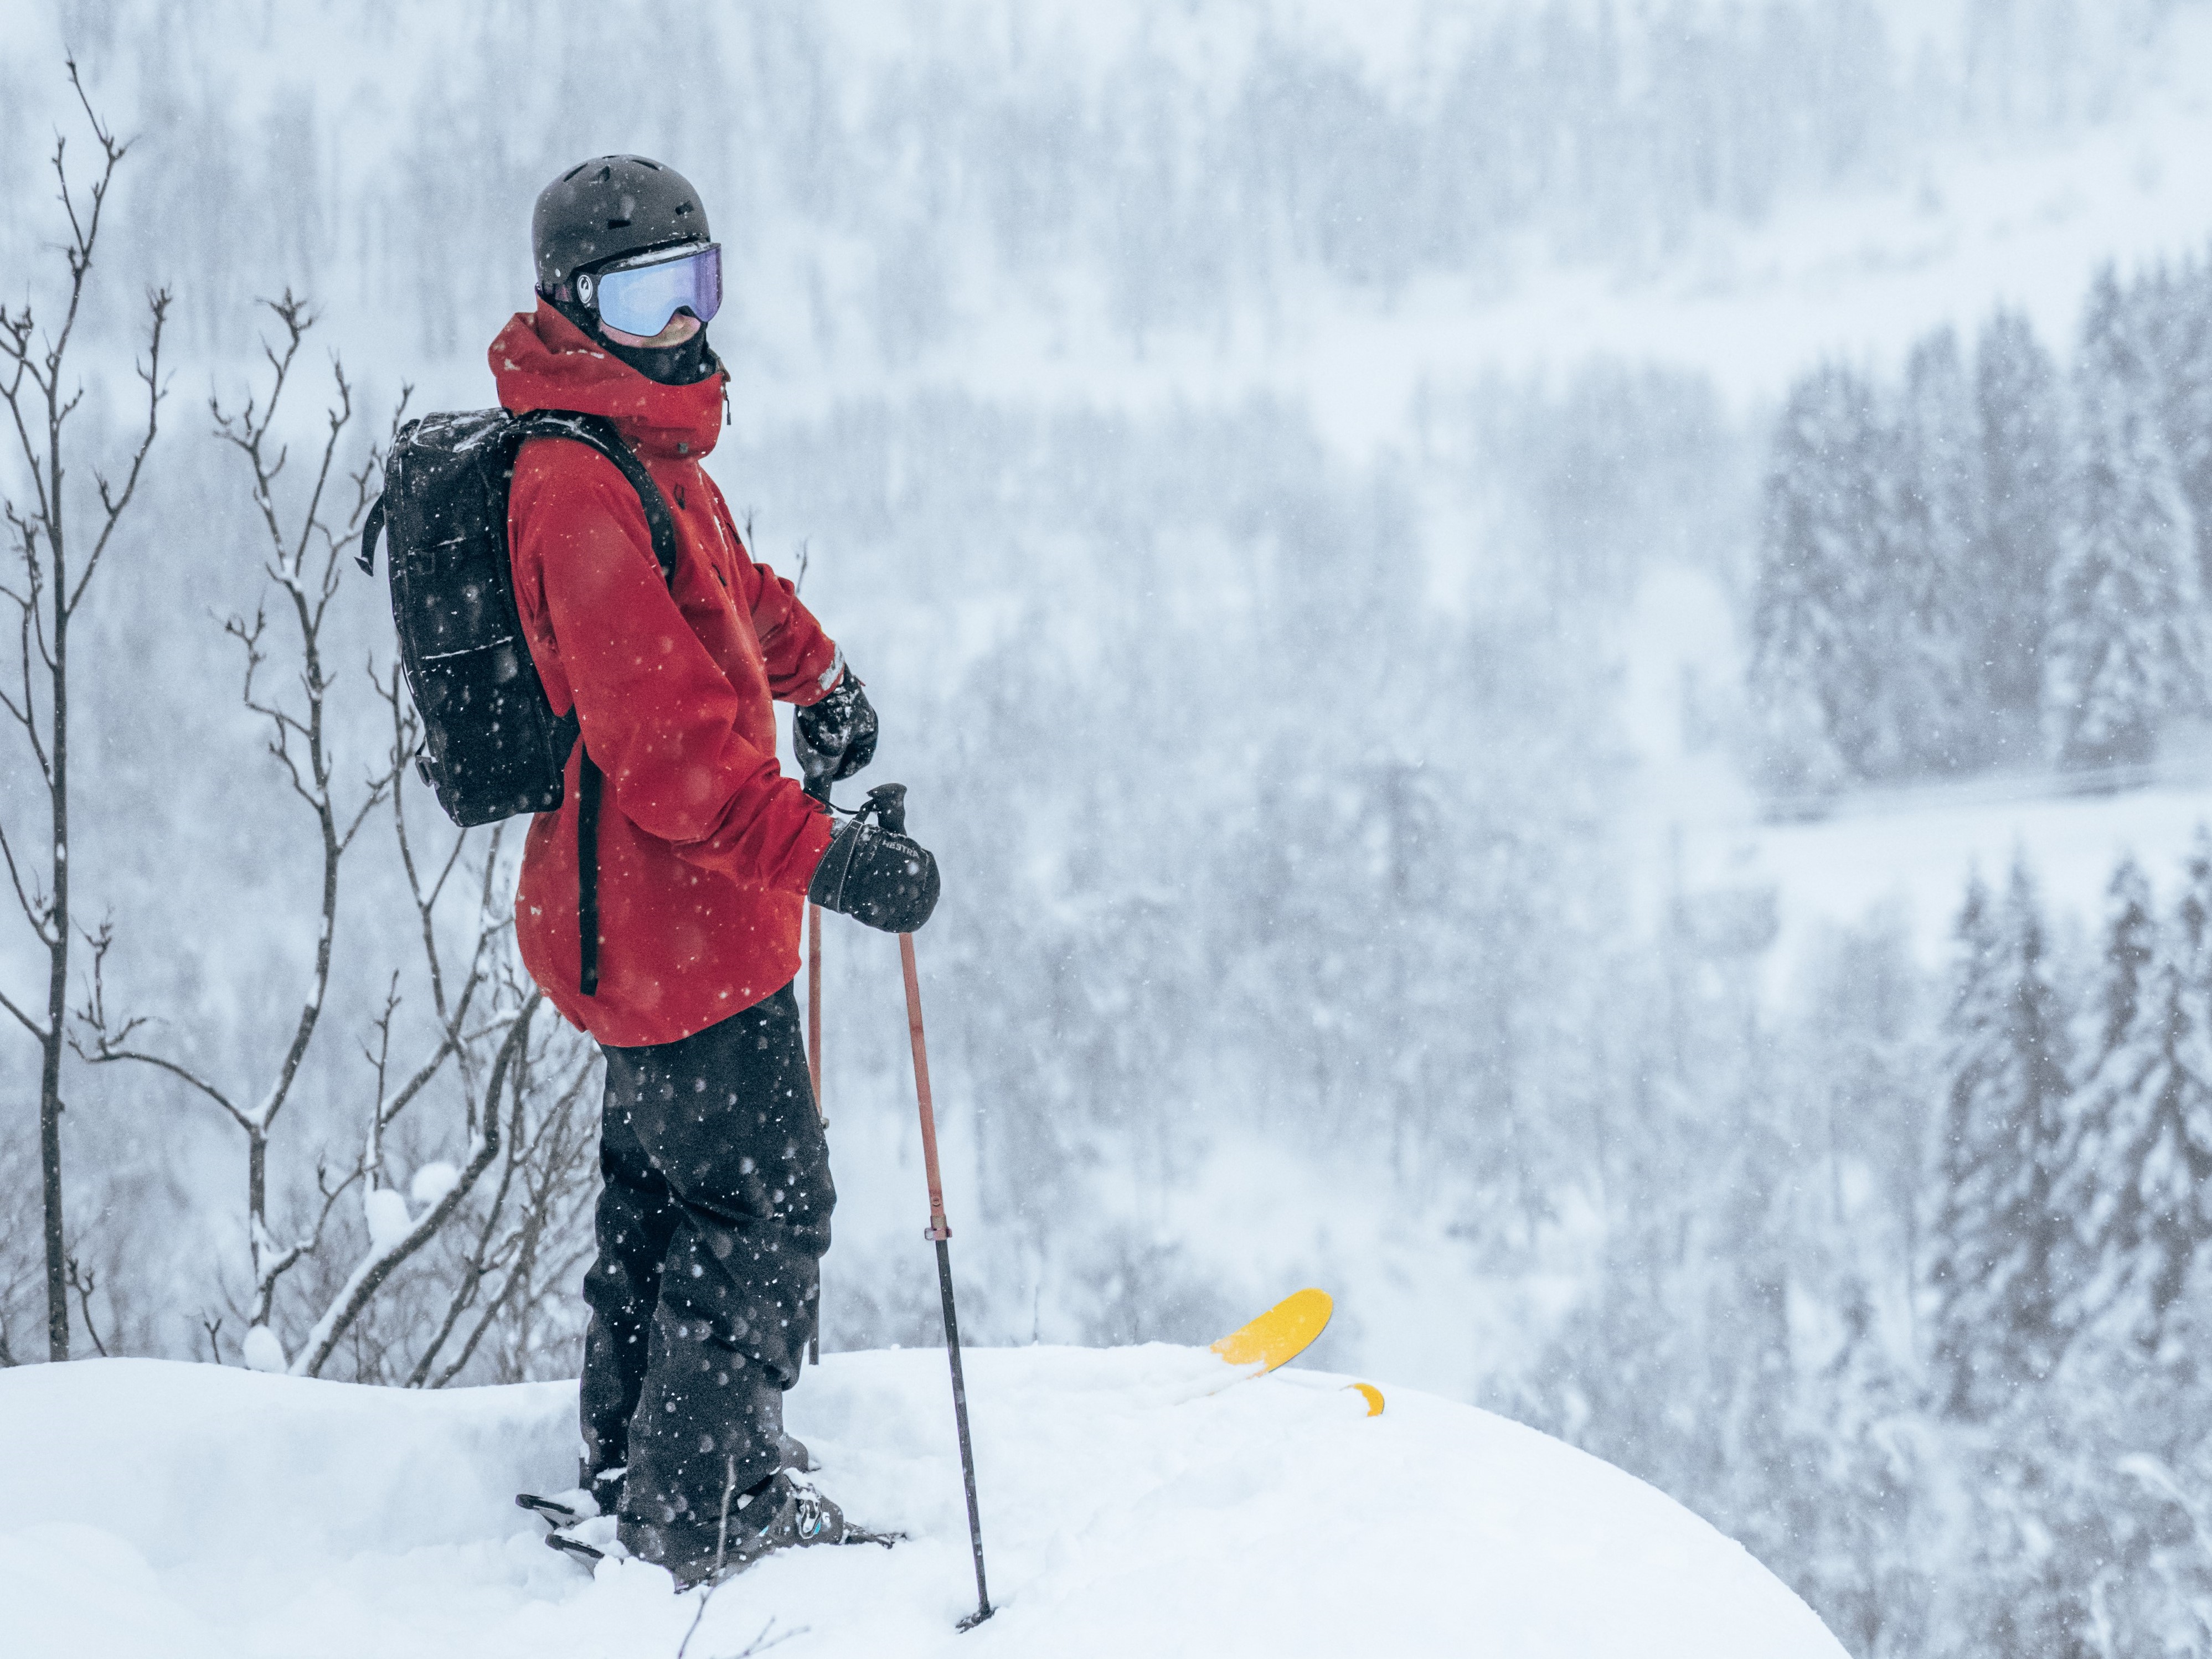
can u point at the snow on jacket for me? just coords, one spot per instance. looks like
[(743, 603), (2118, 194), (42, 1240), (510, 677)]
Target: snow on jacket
[(705, 847)]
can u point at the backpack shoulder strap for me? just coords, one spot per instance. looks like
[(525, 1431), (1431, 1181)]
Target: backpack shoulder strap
[(371, 529), (597, 433)]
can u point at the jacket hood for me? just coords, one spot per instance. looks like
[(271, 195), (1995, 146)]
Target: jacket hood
[(543, 360)]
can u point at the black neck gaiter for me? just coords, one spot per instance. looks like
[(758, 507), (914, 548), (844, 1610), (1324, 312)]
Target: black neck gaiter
[(686, 364)]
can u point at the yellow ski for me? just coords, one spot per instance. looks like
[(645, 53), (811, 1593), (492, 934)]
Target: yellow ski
[(1282, 1334)]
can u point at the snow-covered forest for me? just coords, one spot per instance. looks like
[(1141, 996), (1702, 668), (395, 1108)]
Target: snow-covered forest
[(1990, 562), (1246, 450)]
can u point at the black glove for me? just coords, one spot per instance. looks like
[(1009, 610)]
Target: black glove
[(835, 737), (882, 879)]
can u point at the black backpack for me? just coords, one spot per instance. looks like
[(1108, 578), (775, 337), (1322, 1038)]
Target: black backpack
[(492, 745)]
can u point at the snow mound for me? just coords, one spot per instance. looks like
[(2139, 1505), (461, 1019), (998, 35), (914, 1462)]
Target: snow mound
[(156, 1508)]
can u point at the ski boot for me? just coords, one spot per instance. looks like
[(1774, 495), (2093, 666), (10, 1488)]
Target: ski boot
[(581, 1522), (788, 1511)]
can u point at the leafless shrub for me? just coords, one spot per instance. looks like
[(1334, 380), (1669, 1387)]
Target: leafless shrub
[(47, 591), (483, 1016)]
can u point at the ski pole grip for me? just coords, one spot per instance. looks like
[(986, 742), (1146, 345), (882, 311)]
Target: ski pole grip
[(888, 802)]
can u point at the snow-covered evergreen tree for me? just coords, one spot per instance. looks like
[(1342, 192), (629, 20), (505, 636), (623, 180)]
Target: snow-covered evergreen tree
[(1820, 505), (2142, 1150), (1866, 623), (2129, 1047), (1852, 613), (2127, 641), (1930, 527), (2131, 949), (2000, 1242), (2182, 321), (2016, 393)]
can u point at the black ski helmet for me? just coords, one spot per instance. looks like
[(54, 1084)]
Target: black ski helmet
[(607, 207)]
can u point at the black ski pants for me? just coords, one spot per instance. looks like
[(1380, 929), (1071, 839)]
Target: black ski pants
[(711, 1230)]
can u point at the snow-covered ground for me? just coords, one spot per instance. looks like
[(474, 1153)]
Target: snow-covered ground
[(156, 1508), (1918, 858)]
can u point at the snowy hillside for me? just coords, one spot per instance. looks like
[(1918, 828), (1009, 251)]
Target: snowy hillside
[(160, 1508), (1699, 827), (1231, 443)]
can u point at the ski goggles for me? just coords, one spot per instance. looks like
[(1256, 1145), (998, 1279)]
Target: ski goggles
[(639, 295)]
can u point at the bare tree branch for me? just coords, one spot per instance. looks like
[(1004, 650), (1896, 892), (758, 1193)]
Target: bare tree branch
[(38, 910), (108, 1041), (84, 1284), (486, 1255), (274, 1268), (29, 1024), (32, 374), (112, 505), (378, 1266)]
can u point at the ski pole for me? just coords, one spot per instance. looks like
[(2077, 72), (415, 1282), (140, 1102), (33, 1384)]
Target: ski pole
[(939, 1234), (814, 1075), (819, 788), (814, 1008)]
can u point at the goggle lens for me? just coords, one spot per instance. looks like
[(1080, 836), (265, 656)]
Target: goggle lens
[(641, 299)]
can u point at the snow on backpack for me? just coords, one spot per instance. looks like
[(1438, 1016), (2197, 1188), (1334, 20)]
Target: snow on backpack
[(493, 747)]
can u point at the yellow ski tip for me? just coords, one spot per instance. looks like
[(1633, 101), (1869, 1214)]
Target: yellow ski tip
[(1282, 1333), (1371, 1394)]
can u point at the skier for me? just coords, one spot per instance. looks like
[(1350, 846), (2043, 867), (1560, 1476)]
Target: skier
[(718, 1195)]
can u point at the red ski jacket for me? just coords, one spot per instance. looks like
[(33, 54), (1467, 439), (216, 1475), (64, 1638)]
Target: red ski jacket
[(705, 847)]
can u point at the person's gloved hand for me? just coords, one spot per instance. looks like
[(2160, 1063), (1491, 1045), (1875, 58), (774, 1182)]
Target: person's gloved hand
[(886, 880), (835, 737)]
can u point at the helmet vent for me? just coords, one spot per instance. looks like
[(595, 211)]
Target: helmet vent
[(618, 224)]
